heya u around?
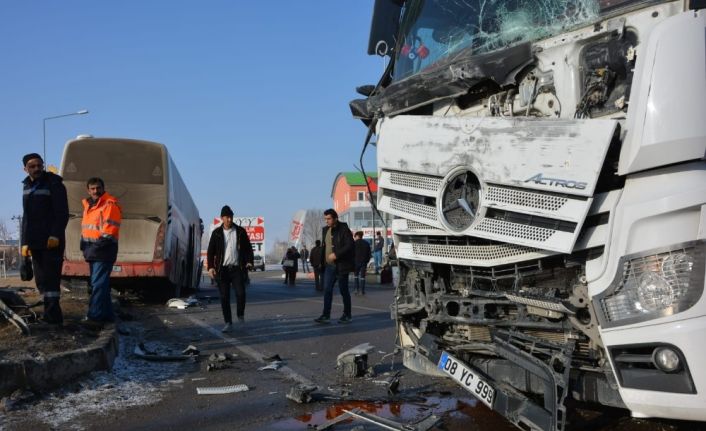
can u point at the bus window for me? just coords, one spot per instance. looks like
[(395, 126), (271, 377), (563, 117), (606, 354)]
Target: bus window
[(118, 162)]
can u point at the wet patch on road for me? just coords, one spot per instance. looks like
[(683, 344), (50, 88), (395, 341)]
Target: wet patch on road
[(454, 413)]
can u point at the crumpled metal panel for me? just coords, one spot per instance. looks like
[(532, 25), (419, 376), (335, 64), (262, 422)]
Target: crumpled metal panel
[(561, 156), (532, 168)]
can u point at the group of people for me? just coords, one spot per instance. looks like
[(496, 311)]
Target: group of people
[(229, 255), (43, 239)]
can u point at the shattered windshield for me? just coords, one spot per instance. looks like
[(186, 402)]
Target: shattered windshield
[(434, 30)]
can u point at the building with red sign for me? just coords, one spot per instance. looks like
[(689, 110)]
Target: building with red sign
[(351, 200)]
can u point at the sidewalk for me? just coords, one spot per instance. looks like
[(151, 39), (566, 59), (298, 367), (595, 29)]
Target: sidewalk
[(50, 356)]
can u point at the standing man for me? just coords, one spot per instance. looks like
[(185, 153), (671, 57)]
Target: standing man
[(378, 245), (315, 255), (45, 215), (362, 257), (293, 256), (304, 253), (229, 258), (337, 261), (100, 229)]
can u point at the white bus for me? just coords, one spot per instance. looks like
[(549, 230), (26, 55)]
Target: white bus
[(160, 232)]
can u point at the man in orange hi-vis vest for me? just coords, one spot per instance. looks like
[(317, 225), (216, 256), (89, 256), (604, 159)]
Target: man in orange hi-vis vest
[(100, 229)]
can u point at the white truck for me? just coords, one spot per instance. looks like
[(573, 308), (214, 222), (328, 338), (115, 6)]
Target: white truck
[(544, 161)]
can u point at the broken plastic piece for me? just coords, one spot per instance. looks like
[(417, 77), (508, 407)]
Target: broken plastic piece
[(221, 390), (360, 349), (274, 357), (274, 365), (190, 350), (182, 304), (354, 362), (142, 352), (301, 393)]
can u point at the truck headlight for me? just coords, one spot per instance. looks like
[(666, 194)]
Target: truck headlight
[(654, 284)]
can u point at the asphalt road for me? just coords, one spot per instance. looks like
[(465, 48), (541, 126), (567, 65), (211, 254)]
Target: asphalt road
[(145, 395)]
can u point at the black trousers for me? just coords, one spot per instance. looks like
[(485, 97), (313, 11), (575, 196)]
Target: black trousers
[(317, 278), (290, 276), (46, 265), (232, 276)]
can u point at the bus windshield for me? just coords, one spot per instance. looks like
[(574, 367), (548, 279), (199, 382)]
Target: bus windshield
[(125, 162), (435, 31)]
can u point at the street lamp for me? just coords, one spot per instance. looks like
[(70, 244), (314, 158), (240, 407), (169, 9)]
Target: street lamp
[(44, 127)]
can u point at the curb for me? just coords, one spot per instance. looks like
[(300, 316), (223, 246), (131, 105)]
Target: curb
[(59, 368)]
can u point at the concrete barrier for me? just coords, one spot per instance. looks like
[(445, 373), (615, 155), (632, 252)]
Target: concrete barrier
[(59, 368)]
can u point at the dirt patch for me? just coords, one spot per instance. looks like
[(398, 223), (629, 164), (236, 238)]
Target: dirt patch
[(45, 339)]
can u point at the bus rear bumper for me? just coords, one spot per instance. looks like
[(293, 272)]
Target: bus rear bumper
[(156, 268)]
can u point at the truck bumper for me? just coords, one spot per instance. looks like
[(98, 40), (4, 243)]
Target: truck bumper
[(157, 268), (687, 335)]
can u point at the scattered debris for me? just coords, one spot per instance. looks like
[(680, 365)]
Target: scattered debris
[(16, 399), (301, 393), (388, 424), (221, 390), (222, 357), (274, 365), (182, 304), (328, 424), (196, 379), (13, 318), (142, 352), (354, 362), (213, 366), (190, 350), (274, 357), (220, 361)]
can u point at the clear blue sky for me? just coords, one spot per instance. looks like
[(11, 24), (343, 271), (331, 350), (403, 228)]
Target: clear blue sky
[(251, 97)]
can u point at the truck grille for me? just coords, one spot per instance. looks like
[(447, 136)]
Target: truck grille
[(415, 181), (535, 220), (516, 230), (482, 253), (412, 208), (512, 196)]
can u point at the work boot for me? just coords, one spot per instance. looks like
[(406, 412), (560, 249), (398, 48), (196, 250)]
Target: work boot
[(345, 319), (227, 328)]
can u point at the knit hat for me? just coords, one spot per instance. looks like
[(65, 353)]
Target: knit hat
[(29, 157), (226, 211)]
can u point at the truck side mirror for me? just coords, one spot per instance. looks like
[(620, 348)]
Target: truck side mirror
[(384, 27), (365, 90)]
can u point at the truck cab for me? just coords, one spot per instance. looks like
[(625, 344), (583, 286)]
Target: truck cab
[(544, 165)]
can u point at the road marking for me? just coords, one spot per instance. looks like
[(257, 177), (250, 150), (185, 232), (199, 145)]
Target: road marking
[(249, 350)]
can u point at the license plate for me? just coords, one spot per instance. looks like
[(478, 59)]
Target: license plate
[(117, 268), (467, 378)]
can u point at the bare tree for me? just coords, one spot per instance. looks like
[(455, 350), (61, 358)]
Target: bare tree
[(313, 224), (277, 253), (5, 234)]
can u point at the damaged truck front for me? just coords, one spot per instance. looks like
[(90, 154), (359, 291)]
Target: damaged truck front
[(544, 161)]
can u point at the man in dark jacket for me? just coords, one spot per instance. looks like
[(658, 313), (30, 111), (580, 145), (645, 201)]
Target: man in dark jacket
[(315, 257), (362, 257), (228, 258), (291, 271), (45, 215), (338, 261)]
